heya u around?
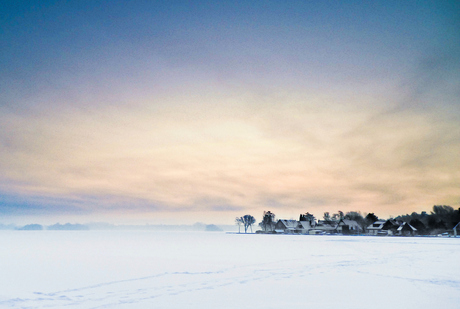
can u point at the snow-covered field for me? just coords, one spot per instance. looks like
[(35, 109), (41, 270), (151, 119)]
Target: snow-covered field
[(145, 269)]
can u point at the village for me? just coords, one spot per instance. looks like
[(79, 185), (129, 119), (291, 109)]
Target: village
[(388, 227), (443, 221)]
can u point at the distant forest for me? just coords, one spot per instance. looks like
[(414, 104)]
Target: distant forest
[(107, 226)]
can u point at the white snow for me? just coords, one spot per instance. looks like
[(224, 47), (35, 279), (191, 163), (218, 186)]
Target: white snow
[(145, 269)]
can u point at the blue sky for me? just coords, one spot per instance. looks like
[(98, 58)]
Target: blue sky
[(178, 111)]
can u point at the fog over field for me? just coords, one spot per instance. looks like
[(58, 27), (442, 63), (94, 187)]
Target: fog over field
[(152, 269)]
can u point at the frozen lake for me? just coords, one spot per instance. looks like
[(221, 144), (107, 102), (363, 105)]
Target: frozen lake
[(146, 269)]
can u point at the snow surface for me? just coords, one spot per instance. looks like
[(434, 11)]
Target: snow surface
[(150, 269)]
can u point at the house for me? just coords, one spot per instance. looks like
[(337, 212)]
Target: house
[(286, 226), (304, 227), (325, 227), (405, 229), (349, 227), (383, 228), (292, 227)]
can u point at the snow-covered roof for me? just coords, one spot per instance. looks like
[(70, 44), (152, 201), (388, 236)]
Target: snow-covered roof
[(406, 224), (325, 227), (289, 224), (305, 224), (327, 223), (351, 223), (377, 225)]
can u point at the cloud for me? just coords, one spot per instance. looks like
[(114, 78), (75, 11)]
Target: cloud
[(302, 155), (233, 126), (16, 205)]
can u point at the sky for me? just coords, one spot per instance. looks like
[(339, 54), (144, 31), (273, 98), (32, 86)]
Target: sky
[(175, 112)]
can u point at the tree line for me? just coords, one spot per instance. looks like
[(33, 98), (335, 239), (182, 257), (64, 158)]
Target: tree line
[(441, 219)]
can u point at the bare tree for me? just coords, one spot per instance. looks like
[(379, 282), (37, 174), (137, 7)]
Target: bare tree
[(341, 215), (248, 221), (238, 221), (338, 216)]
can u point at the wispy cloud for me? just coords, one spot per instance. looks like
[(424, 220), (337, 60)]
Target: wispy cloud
[(243, 123)]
